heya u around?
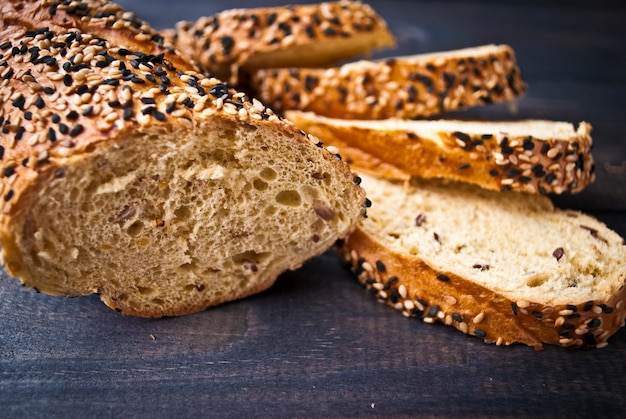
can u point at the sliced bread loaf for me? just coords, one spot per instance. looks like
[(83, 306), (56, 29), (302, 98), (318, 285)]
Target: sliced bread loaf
[(161, 190), (301, 35), (505, 267), (527, 155), (403, 87)]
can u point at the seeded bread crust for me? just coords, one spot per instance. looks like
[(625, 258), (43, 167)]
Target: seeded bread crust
[(101, 18), (161, 190), (527, 155), (409, 281), (303, 35), (402, 87)]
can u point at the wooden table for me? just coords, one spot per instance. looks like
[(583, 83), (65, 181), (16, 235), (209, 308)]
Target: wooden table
[(316, 344)]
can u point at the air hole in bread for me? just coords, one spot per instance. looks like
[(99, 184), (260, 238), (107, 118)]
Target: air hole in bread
[(259, 185), (183, 213), (135, 228), (536, 280), (251, 257), (268, 174), (290, 198)]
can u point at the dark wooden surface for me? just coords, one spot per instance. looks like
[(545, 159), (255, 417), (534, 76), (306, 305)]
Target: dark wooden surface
[(316, 344)]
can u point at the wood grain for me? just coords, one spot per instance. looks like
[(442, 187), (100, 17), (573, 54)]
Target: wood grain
[(316, 344)]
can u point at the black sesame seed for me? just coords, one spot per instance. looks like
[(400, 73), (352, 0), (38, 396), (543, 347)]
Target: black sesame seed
[(9, 195), (8, 74), (493, 172), (19, 102), (159, 116), (571, 307), (356, 180), (588, 305), (380, 266), (442, 277), (52, 135), (558, 253), (420, 219), (9, 171), (389, 282), (128, 113), (77, 130), (594, 323), (72, 115), (538, 314), (48, 90), (148, 100), (367, 203), (514, 308), (573, 316), (565, 333), (88, 110), (1, 152), (480, 333), (28, 115), (68, 80), (528, 143), (39, 102), (432, 312), (170, 107), (63, 129), (457, 317), (463, 166), (20, 133)]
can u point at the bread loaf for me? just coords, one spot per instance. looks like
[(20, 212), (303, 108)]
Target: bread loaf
[(527, 155), (161, 190), (301, 35), (505, 267), (410, 87)]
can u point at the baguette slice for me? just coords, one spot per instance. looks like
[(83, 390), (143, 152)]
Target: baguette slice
[(526, 155), (504, 267), (301, 35), (402, 87), (161, 190)]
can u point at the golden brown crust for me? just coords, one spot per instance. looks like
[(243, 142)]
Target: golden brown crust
[(281, 36), (492, 160), (402, 87), (410, 285), (101, 18)]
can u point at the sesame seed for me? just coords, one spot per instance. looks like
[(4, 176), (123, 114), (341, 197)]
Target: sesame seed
[(77, 130), (442, 277)]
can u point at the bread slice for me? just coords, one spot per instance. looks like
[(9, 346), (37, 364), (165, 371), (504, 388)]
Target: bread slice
[(505, 267), (409, 87), (527, 155), (161, 190), (300, 35)]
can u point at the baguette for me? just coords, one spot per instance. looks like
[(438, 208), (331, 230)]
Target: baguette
[(161, 190), (527, 155), (303, 35), (409, 87), (505, 267)]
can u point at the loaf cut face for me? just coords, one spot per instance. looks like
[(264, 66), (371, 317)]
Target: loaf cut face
[(506, 267), (535, 156), (161, 190)]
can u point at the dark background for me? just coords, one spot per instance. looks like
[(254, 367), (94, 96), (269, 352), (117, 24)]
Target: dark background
[(316, 344)]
